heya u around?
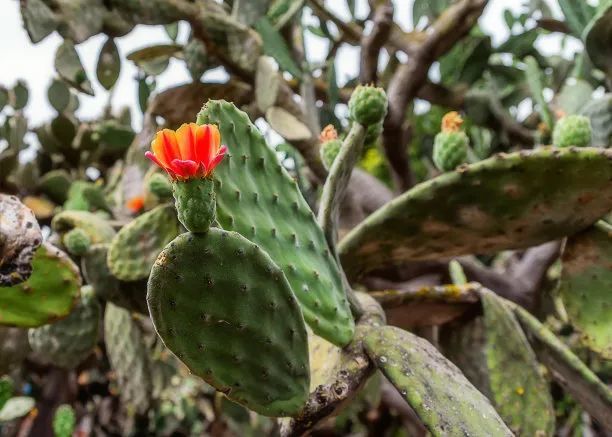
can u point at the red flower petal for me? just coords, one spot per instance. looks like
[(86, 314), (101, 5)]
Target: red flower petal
[(185, 168)]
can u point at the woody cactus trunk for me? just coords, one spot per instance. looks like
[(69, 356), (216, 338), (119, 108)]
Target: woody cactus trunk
[(420, 244)]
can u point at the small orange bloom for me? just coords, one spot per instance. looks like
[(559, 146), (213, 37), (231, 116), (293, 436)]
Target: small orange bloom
[(328, 133), (135, 204), (451, 122), (191, 151)]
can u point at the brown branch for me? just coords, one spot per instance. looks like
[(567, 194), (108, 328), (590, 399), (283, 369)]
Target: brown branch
[(353, 371), (374, 41), (467, 293), (454, 23)]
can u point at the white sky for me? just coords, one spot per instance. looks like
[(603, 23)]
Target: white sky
[(34, 63)]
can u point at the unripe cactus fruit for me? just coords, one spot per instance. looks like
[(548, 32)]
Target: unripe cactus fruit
[(160, 186), (77, 242), (368, 105), (64, 421), (195, 203), (451, 144), (330, 145), (573, 130)]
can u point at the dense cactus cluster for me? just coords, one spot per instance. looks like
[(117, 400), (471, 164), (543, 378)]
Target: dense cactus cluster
[(408, 265)]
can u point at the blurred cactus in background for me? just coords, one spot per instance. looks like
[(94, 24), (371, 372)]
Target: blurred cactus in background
[(420, 247)]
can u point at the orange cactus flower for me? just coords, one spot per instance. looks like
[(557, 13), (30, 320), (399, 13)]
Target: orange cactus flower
[(451, 122), (192, 151), (135, 204)]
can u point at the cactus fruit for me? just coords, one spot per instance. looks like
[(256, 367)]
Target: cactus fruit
[(226, 310), (64, 421), (586, 282), (76, 241), (504, 202), (160, 186), (439, 394), (189, 156), (368, 105), (48, 294), (67, 342), (329, 150), (451, 144), (195, 203), (257, 198), (134, 249), (573, 130)]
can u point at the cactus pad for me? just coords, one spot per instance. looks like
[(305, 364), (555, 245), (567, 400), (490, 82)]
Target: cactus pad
[(257, 198), (76, 241), (98, 229), (509, 201), (129, 357), (439, 394), (516, 385), (227, 311), (135, 248), (49, 294), (586, 288), (130, 295), (67, 342), (599, 112)]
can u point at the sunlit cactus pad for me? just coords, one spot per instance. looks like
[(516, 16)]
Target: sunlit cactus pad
[(226, 310), (98, 229), (48, 295), (509, 201), (257, 198), (586, 288)]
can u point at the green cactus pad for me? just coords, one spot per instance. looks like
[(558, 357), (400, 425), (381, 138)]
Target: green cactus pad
[(509, 201), (450, 150), (131, 295), (85, 196), (437, 391), (56, 185), (195, 203), (129, 357), (67, 342), (368, 105), (227, 311), (573, 130), (48, 295), (76, 241), (159, 185), (257, 198), (517, 387), (134, 249), (98, 229), (64, 421), (586, 288)]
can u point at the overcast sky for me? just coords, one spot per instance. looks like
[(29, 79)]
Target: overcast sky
[(34, 63)]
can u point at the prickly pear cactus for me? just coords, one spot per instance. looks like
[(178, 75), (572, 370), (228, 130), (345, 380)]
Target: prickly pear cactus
[(450, 150), (134, 249), (573, 130), (516, 384), (48, 295), (227, 311), (439, 394), (98, 229), (129, 357), (258, 199), (599, 112), (131, 295), (585, 287), (505, 202), (67, 342)]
